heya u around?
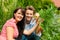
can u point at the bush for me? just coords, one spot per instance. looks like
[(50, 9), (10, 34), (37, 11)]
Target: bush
[(47, 10)]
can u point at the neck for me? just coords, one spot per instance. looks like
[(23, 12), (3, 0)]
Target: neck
[(27, 22), (16, 21)]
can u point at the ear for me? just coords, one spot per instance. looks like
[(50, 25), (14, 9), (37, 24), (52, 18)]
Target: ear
[(14, 14)]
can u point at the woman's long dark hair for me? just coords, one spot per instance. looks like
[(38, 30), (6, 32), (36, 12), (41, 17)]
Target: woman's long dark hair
[(20, 24)]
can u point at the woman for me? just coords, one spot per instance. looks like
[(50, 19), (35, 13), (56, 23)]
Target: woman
[(14, 27)]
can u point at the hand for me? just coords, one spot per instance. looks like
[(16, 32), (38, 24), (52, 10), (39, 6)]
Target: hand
[(41, 20), (13, 39), (39, 29)]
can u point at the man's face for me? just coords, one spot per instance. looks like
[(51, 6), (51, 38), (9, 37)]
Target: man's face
[(29, 15)]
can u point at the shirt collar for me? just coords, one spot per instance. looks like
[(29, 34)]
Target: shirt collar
[(31, 21), (13, 20)]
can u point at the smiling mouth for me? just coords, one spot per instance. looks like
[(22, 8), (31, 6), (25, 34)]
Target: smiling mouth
[(19, 17), (29, 18)]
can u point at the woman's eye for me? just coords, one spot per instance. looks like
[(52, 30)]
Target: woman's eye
[(19, 13)]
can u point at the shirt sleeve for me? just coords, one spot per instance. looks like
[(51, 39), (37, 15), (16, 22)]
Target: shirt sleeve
[(10, 24), (29, 26), (33, 23)]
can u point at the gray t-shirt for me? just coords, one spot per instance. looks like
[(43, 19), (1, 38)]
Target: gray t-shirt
[(30, 25)]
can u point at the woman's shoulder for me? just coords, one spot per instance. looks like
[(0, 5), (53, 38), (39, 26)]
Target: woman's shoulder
[(9, 22)]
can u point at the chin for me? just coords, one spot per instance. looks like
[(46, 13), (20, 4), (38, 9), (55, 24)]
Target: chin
[(19, 19), (28, 20)]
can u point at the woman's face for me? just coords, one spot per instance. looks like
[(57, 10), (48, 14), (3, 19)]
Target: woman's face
[(18, 15)]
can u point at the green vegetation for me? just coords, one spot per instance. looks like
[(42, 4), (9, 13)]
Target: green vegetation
[(47, 10)]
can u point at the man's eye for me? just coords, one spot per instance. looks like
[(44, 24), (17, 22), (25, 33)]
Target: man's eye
[(30, 14), (27, 13)]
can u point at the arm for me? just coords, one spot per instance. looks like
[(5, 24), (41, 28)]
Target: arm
[(28, 32), (10, 32)]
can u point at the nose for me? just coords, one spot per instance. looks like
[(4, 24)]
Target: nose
[(21, 15), (29, 15)]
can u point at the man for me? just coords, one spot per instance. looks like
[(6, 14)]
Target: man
[(31, 25)]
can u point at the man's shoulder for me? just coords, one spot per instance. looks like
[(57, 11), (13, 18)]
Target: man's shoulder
[(33, 21)]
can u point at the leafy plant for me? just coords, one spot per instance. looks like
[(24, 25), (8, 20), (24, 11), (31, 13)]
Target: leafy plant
[(47, 10)]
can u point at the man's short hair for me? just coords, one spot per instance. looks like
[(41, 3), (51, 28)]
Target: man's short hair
[(30, 8)]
